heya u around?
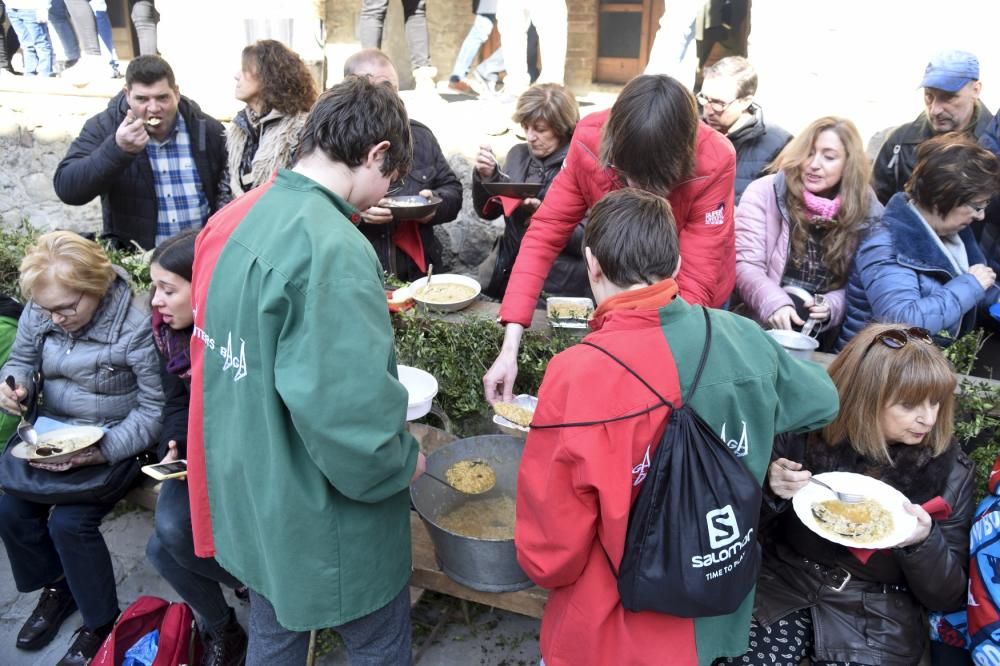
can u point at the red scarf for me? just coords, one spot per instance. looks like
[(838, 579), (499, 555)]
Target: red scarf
[(407, 239)]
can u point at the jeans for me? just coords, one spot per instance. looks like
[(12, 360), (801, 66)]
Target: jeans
[(43, 547), (8, 41), (414, 24), (381, 638), (171, 550), (35, 43), (85, 21), (144, 18), (478, 34), (550, 19), (59, 18)]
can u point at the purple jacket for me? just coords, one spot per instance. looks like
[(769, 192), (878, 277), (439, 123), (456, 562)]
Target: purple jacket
[(762, 242)]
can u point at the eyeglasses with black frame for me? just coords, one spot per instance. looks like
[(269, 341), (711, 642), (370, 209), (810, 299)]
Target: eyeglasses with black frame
[(896, 338), (62, 312), (978, 208), (717, 104)]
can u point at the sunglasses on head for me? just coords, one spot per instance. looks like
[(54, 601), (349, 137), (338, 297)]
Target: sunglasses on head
[(897, 338)]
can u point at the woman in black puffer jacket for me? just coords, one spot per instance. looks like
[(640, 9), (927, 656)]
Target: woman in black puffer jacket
[(548, 114)]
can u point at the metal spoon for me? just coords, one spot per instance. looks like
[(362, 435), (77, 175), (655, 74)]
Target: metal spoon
[(458, 490), (430, 272), (499, 170), (25, 430), (846, 498)]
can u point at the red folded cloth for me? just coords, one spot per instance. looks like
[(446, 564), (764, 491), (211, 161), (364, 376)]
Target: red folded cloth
[(509, 204), (937, 507), (407, 238)]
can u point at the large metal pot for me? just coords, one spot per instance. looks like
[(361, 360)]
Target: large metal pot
[(488, 565)]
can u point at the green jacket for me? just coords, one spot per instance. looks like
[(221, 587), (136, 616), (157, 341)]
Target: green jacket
[(306, 457), (8, 422)]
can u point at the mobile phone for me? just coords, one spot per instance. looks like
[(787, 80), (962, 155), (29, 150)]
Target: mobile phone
[(170, 470)]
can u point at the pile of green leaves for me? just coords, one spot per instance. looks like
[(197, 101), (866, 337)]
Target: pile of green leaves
[(458, 354), (14, 243)]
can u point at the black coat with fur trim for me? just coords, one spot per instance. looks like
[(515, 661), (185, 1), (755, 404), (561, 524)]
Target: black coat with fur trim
[(878, 616)]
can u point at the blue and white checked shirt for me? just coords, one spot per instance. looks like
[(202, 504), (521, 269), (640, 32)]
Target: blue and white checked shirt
[(180, 200)]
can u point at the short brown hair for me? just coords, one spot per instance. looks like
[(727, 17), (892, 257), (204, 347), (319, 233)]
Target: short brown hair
[(551, 103), (633, 236), (871, 376), (952, 170), (740, 70), (651, 132), (67, 259), (352, 117), (285, 82)]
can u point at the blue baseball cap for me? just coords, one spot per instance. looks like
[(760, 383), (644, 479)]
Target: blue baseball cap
[(950, 70)]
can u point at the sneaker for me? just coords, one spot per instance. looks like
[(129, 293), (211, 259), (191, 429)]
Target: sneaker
[(423, 78), (226, 646), (54, 606), (116, 72), (460, 86), (83, 649)]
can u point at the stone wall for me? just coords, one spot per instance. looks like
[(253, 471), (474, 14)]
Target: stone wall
[(34, 136)]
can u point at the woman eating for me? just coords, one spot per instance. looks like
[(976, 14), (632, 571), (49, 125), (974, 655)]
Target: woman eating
[(548, 114), (922, 266), (797, 230), (93, 348), (895, 425)]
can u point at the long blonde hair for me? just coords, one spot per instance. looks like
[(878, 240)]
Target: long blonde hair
[(855, 195), (871, 376)]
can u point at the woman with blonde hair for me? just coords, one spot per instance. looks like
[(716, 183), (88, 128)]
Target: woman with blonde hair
[(797, 230), (895, 424), (278, 90), (548, 114), (83, 335)]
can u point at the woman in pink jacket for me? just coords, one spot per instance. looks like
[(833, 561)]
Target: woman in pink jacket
[(798, 229)]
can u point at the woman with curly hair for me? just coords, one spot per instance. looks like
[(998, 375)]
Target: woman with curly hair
[(278, 91), (797, 230)]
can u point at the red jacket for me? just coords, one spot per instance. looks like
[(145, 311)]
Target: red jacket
[(702, 205)]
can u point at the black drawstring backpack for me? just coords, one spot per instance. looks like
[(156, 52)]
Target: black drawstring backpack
[(691, 547)]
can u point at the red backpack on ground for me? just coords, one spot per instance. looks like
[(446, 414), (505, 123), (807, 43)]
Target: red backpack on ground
[(180, 643)]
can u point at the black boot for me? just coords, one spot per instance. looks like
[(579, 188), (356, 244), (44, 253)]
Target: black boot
[(83, 649), (226, 646), (54, 606)]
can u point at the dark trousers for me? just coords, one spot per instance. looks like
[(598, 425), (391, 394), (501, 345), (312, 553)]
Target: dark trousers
[(8, 41), (43, 546), (171, 550), (414, 24)]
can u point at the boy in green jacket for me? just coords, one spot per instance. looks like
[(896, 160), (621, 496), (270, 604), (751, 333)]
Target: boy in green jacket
[(299, 460)]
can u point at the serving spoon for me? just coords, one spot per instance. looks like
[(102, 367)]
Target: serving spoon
[(25, 430)]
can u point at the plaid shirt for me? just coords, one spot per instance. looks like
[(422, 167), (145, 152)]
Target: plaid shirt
[(180, 200)]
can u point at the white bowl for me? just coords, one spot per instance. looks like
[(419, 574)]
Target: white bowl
[(446, 277), (421, 387), (796, 344)]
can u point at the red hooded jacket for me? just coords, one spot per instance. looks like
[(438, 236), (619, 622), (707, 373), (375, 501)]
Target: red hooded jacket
[(702, 206)]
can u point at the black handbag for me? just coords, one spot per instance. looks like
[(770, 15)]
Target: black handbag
[(94, 484)]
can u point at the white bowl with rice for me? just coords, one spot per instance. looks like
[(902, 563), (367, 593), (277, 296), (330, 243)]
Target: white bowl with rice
[(448, 292)]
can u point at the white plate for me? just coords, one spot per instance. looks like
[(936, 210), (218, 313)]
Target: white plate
[(421, 387), (523, 400), (80, 436), (903, 523)]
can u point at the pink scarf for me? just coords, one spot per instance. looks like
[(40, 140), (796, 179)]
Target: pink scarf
[(822, 210)]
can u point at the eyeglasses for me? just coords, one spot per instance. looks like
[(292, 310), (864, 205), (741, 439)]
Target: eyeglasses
[(62, 312), (978, 208), (896, 338), (717, 104)]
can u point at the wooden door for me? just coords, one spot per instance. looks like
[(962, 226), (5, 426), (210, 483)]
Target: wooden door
[(625, 32)]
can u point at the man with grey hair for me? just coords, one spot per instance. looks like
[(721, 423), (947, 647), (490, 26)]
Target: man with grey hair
[(951, 104), (728, 106)]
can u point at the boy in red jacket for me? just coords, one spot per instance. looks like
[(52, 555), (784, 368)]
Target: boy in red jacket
[(576, 485)]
